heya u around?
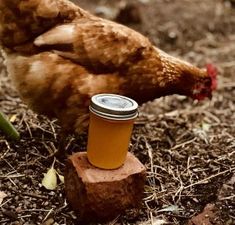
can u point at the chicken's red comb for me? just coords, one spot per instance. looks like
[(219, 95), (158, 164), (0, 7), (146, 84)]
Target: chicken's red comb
[(212, 72)]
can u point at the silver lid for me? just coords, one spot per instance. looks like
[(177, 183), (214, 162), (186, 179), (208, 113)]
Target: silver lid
[(112, 106)]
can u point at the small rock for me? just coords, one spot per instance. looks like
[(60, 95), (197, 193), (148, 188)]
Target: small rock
[(227, 189), (207, 217), (10, 214)]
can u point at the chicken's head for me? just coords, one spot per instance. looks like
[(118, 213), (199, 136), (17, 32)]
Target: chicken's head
[(205, 85)]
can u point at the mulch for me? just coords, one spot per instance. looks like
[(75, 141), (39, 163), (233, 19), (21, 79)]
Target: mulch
[(188, 147)]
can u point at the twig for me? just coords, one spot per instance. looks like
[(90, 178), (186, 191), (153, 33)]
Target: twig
[(183, 144), (48, 214), (12, 176), (196, 183), (4, 203), (209, 178), (33, 195), (228, 198)]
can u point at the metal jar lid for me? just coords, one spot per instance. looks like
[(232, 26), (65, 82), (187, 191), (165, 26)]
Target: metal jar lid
[(116, 107)]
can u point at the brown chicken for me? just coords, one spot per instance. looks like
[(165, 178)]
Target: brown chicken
[(59, 55)]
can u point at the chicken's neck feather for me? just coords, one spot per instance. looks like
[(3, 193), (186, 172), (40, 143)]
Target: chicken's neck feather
[(159, 74)]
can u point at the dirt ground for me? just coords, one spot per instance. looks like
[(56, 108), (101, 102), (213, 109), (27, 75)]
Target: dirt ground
[(187, 147)]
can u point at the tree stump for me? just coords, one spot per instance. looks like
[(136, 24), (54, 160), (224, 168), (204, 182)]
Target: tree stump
[(99, 195)]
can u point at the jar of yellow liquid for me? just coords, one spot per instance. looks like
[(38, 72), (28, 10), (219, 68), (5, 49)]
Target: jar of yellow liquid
[(111, 123)]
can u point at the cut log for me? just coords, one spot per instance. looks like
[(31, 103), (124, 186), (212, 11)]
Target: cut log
[(99, 195)]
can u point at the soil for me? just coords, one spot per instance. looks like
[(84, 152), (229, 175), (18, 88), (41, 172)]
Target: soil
[(188, 147)]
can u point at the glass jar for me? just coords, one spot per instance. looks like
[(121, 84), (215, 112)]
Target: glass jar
[(111, 123)]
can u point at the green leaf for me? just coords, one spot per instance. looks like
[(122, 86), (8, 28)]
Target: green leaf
[(8, 128)]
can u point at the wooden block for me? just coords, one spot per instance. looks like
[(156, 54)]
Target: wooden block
[(99, 195)]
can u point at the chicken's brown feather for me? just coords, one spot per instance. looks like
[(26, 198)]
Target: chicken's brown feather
[(55, 87), (24, 20), (97, 43), (60, 55)]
